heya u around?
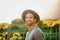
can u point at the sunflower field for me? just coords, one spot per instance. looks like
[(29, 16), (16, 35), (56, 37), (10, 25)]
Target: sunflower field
[(17, 31)]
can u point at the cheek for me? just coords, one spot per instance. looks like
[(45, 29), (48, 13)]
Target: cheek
[(26, 20), (34, 21), (29, 20)]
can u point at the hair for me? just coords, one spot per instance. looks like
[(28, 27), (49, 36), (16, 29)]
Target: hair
[(36, 16)]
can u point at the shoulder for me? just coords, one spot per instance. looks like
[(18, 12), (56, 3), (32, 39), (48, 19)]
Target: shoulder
[(37, 34), (37, 30)]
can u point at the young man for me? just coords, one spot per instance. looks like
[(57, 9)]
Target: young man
[(32, 18)]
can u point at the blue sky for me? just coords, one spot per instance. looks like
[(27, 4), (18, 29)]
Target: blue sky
[(11, 9)]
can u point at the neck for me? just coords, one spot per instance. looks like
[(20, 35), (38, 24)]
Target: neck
[(31, 27)]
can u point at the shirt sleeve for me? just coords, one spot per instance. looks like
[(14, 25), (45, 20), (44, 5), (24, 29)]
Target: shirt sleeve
[(37, 36)]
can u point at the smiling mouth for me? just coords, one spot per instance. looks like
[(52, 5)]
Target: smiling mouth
[(29, 23)]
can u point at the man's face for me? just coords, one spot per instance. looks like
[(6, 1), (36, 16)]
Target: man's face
[(29, 19)]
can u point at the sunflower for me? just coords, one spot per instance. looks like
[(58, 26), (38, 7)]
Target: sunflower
[(16, 36)]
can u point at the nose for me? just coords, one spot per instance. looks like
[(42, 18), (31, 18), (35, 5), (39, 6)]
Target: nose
[(28, 18)]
